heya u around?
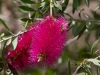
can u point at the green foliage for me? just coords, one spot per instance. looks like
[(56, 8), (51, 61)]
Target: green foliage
[(5, 25), (1, 64), (28, 1), (69, 67), (26, 8), (87, 2), (94, 45), (94, 61)]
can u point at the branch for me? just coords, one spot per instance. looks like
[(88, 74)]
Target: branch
[(19, 33), (77, 69), (67, 43), (51, 7), (80, 20), (70, 41)]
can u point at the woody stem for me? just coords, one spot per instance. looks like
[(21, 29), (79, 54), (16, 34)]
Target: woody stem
[(51, 1)]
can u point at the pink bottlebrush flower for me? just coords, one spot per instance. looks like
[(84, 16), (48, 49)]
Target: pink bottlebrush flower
[(48, 42), (19, 58)]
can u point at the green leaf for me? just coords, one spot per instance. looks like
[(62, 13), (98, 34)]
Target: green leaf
[(86, 39), (73, 11), (87, 69), (26, 24), (80, 28), (82, 73), (14, 43), (80, 13), (87, 2), (43, 4), (33, 15), (26, 8), (37, 4), (56, 4), (94, 61), (4, 51), (94, 45), (69, 67), (28, 1), (2, 35), (75, 4), (64, 5), (1, 64), (68, 15), (82, 31), (8, 42), (92, 26), (5, 25), (25, 19), (74, 29), (79, 2), (96, 15)]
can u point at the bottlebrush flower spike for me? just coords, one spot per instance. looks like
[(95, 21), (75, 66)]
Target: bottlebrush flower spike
[(48, 42), (19, 58)]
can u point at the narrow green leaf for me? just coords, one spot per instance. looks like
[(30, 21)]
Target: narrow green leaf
[(28, 1), (94, 45), (94, 61), (79, 29), (45, 10), (74, 29), (69, 67), (1, 64), (5, 25), (82, 31), (64, 5), (96, 15), (33, 15), (26, 24), (14, 43), (68, 15), (4, 51), (87, 70), (2, 35), (25, 19), (80, 13), (56, 4), (87, 2), (92, 26), (43, 4), (75, 4), (26, 8), (79, 2), (83, 73), (8, 42), (37, 4), (86, 39), (73, 11)]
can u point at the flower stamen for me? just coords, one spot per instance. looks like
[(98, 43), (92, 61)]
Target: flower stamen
[(41, 57)]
